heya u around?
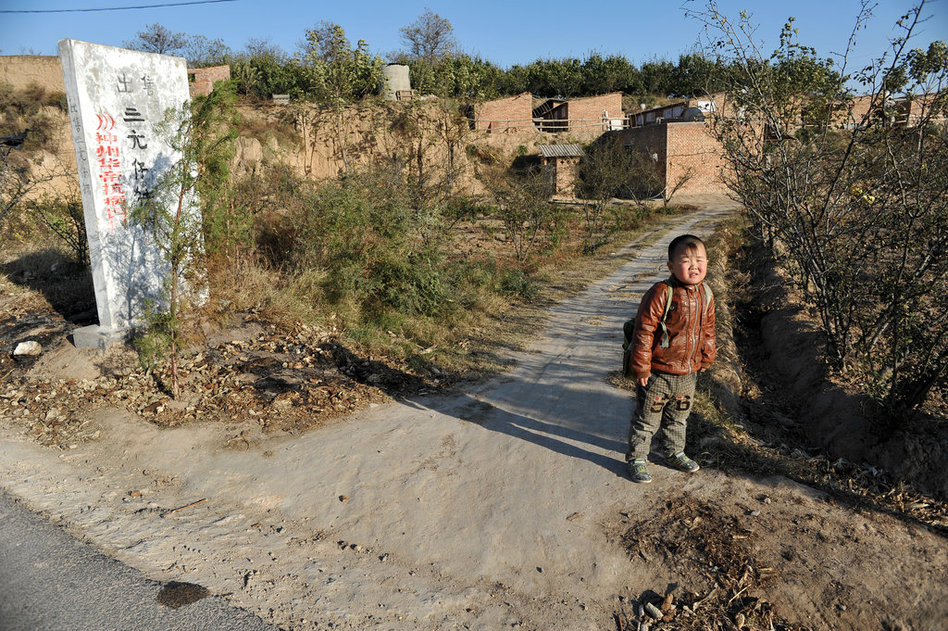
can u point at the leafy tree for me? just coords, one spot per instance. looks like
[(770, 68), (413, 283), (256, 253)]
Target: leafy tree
[(457, 76), (609, 74), (158, 39), (696, 75), (855, 199), (658, 77)]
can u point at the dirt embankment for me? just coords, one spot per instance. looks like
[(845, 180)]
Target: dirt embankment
[(784, 341)]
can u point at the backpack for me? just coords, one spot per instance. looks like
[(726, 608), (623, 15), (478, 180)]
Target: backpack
[(629, 327)]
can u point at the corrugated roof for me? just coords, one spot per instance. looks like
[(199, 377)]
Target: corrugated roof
[(561, 151)]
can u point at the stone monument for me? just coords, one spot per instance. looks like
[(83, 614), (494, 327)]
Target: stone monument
[(116, 99)]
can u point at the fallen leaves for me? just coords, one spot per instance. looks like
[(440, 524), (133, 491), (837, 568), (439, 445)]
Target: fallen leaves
[(277, 379)]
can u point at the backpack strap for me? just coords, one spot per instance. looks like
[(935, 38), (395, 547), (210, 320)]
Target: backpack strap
[(661, 323)]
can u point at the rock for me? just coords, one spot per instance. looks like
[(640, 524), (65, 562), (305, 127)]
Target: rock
[(29, 348), (653, 611)]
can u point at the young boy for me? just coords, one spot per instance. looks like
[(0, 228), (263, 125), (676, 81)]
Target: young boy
[(667, 353)]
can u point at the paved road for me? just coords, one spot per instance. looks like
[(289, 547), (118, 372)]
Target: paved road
[(49, 580)]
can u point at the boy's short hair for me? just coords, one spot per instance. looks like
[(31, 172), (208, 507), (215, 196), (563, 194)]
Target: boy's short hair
[(684, 242)]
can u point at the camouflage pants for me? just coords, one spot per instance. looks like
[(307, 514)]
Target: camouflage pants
[(662, 411)]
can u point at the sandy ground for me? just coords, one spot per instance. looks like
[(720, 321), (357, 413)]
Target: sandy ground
[(504, 505)]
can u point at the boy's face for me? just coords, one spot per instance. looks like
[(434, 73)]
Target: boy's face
[(689, 265)]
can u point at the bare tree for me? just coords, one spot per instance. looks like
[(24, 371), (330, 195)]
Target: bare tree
[(430, 37), (23, 177), (157, 39), (853, 199), (523, 198), (202, 52)]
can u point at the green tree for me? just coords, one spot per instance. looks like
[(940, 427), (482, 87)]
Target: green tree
[(658, 77), (697, 75), (202, 135), (609, 74)]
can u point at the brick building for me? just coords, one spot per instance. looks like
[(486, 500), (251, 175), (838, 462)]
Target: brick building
[(687, 156), (603, 113), (561, 163), (201, 80), (513, 112)]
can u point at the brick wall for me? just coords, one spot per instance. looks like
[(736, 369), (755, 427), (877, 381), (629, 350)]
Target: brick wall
[(201, 80), (514, 112), (564, 172), (694, 153), (681, 149), (588, 111), (650, 140)]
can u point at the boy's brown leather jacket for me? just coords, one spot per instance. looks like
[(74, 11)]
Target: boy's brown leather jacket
[(692, 339)]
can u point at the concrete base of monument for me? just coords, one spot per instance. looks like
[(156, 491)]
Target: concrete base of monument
[(94, 336)]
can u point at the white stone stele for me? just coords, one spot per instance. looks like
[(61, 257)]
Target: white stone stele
[(116, 99)]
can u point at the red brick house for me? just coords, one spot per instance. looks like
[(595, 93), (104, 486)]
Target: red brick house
[(513, 112), (602, 112), (561, 162), (688, 157), (201, 80)]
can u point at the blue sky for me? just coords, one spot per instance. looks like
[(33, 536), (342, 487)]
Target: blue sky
[(505, 32)]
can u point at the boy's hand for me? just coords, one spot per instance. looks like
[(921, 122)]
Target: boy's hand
[(643, 381)]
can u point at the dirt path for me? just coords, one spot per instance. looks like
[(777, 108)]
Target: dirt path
[(502, 506)]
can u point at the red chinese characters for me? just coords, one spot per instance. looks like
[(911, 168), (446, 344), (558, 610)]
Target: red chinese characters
[(108, 161)]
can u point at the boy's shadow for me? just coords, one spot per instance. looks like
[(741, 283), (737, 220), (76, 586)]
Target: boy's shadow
[(558, 437)]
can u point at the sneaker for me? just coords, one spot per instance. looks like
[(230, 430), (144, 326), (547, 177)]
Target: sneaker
[(682, 462), (639, 472)]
